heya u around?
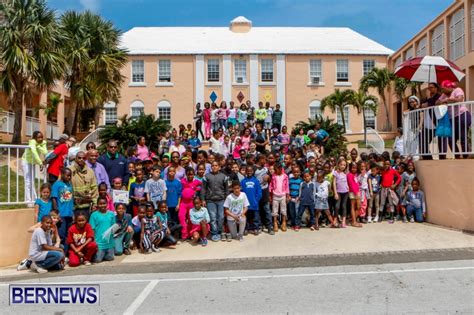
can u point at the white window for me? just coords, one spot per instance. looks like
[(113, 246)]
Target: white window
[(437, 41), (240, 71), (315, 109), (164, 111), (398, 61), (346, 117), (137, 109), (110, 113), (164, 71), (368, 66), (472, 26), (421, 47), (213, 74), (138, 71), (315, 71), (409, 53), (456, 35), (267, 70), (342, 70), (369, 118)]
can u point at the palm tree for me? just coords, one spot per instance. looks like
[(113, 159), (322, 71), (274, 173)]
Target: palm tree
[(91, 48), (336, 102), (29, 53), (362, 102), (51, 107), (379, 79)]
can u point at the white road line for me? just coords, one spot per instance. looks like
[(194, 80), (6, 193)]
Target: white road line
[(140, 298), (244, 278)]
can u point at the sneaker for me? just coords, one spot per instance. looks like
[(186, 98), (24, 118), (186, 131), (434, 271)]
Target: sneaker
[(87, 263), (297, 228), (215, 238), (148, 251), (35, 267), (369, 219), (204, 241), (223, 237), (363, 220), (127, 252), (405, 219), (376, 219), (246, 232), (412, 220), (155, 248), (241, 238), (391, 221), (271, 232), (229, 237), (24, 264)]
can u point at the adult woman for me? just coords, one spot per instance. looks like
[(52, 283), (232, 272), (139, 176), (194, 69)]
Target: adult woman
[(429, 118), (261, 138), (460, 116), (142, 150), (32, 157), (175, 162), (416, 123)]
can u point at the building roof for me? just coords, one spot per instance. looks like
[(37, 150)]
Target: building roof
[(241, 19), (259, 40)]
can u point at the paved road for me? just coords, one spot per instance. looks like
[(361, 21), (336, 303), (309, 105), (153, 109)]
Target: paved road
[(426, 287)]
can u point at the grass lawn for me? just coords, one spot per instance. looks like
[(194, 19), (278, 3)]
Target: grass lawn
[(13, 187), (388, 144)]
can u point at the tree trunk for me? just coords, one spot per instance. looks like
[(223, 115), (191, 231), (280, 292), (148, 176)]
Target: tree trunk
[(17, 103), (343, 118), (365, 127), (389, 124), (97, 112)]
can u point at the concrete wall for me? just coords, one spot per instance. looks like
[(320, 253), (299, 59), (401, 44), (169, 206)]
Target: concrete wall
[(448, 189), (14, 239)]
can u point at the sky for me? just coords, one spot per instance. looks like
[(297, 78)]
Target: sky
[(389, 22)]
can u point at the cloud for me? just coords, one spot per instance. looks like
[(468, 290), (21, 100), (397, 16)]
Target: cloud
[(92, 5)]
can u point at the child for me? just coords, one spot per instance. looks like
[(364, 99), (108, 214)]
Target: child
[(43, 254), (306, 195), (374, 191), (300, 139), (390, 179), (415, 200), (102, 222), (363, 179), (80, 238), (294, 183), (123, 234), (193, 142), (341, 191), (199, 217), (137, 226), (354, 193), (277, 117), (63, 201), (103, 193), (137, 192), (235, 207), (44, 204), (398, 143), (232, 115), (200, 172), (162, 214), (253, 190), (173, 192), (242, 116), (215, 143), (191, 187), (279, 194), (321, 198), (407, 178), (155, 187), (152, 231)]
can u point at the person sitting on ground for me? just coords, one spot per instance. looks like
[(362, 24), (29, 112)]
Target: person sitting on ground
[(199, 217), (80, 237), (152, 231), (416, 205)]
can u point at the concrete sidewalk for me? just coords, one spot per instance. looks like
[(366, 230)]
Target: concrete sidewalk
[(374, 243)]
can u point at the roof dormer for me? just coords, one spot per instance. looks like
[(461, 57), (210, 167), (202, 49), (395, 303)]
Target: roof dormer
[(240, 25)]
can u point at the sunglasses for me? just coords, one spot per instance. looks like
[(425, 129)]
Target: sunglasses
[(112, 146)]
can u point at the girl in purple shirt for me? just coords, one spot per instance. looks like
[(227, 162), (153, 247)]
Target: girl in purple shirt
[(341, 192)]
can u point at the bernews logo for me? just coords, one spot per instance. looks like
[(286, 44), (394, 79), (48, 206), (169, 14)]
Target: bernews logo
[(61, 294)]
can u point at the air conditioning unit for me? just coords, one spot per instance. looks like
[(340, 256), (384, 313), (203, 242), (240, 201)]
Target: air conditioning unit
[(240, 80), (315, 80)]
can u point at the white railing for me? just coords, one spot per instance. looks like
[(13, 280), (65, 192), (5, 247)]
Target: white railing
[(14, 189), (92, 137), (375, 141), (439, 130), (7, 121)]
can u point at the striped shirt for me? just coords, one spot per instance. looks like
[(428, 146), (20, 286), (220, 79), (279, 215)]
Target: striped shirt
[(295, 183)]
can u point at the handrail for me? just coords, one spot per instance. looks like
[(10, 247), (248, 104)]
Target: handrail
[(379, 145)]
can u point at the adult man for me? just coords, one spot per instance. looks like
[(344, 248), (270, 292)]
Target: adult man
[(99, 170), (277, 117), (84, 184), (56, 159), (115, 163)]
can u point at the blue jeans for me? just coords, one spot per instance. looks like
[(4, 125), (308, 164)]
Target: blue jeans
[(293, 212), (104, 254), (223, 123), (121, 242), (253, 220), (301, 209), (66, 223), (266, 214), (417, 211), (216, 212), (51, 261)]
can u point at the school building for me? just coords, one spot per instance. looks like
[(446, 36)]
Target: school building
[(170, 69)]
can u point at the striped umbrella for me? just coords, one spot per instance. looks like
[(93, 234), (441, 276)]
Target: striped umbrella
[(429, 69)]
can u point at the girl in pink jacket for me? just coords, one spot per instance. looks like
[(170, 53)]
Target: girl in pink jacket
[(354, 193), (279, 195)]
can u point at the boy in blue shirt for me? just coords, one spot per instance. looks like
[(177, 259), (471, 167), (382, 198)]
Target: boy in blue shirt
[(173, 193), (252, 188), (63, 202), (295, 183)]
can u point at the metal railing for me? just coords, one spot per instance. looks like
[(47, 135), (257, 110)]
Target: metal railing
[(439, 130), (375, 141), (15, 187), (7, 121)]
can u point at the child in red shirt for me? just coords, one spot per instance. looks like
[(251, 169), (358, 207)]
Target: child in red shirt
[(80, 238), (390, 180)]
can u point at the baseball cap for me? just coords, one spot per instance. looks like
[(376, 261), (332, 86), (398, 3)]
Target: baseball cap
[(310, 132), (63, 137)]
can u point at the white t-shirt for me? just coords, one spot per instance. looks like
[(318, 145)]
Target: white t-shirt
[(236, 204), (39, 238), (268, 119), (215, 145), (232, 113), (156, 189)]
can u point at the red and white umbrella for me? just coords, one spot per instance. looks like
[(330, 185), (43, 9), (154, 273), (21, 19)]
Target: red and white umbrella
[(429, 69)]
